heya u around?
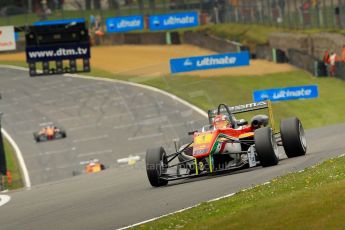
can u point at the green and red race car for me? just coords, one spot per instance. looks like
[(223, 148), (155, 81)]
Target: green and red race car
[(227, 144)]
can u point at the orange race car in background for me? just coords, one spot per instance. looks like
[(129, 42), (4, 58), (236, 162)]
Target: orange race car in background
[(89, 166), (227, 144)]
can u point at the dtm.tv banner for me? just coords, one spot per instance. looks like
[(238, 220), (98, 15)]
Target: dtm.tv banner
[(216, 61), (58, 52), (173, 21), (288, 93), (124, 24)]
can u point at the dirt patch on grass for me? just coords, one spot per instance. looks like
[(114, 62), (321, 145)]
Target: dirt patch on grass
[(138, 60)]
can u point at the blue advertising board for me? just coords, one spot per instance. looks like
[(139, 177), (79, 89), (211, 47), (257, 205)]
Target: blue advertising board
[(173, 21), (288, 93), (124, 24), (59, 22), (216, 61), (58, 52)]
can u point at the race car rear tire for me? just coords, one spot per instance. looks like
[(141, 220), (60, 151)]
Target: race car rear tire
[(36, 137), (63, 133), (266, 147), (293, 137), (156, 161)]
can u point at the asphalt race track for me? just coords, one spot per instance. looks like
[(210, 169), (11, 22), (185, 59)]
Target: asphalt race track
[(103, 120), (121, 195)]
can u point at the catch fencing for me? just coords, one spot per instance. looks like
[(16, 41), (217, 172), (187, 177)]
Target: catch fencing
[(281, 13)]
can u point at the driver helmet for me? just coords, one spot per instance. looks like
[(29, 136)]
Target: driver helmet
[(221, 121)]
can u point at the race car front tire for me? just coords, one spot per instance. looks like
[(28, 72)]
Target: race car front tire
[(63, 133), (266, 147), (293, 137), (156, 162)]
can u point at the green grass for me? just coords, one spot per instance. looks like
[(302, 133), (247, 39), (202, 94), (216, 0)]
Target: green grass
[(13, 167), (313, 199)]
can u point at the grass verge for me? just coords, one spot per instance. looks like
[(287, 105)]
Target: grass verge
[(13, 167), (312, 199)]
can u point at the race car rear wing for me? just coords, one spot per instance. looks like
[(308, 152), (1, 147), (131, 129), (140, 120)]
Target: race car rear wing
[(245, 108)]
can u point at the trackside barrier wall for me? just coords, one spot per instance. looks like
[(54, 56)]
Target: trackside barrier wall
[(211, 42), (302, 60), (264, 52)]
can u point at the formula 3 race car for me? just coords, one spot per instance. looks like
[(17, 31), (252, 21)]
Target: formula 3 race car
[(89, 167), (49, 132), (227, 144)]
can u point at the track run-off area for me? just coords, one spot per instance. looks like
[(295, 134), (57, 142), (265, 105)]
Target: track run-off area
[(110, 120)]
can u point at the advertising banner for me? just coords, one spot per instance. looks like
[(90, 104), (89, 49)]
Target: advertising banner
[(216, 61), (288, 93), (7, 38), (124, 24), (58, 52), (173, 21)]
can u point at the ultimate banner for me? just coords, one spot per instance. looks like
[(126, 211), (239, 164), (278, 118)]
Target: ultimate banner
[(216, 61)]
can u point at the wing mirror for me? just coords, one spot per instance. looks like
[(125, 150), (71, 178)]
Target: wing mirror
[(192, 132)]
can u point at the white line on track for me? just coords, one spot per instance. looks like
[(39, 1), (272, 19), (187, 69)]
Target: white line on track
[(145, 136), (56, 151), (83, 127), (91, 138), (114, 115), (74, 118), (4, 199), (26, 121), (94, 153)]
